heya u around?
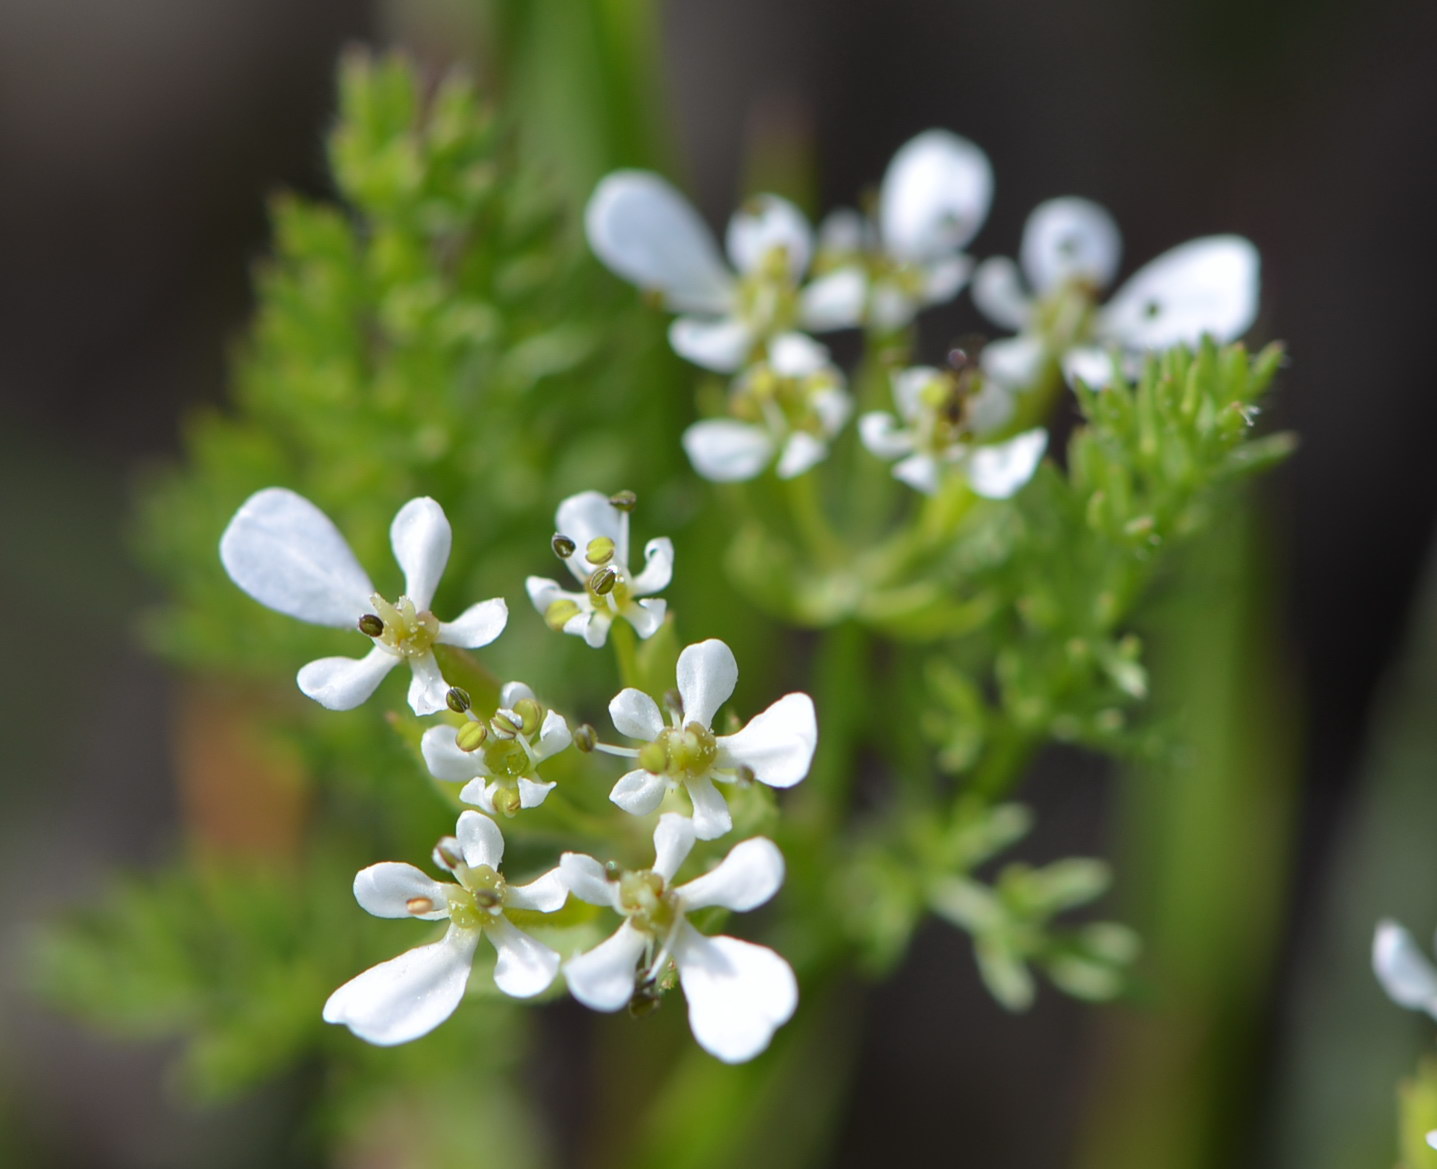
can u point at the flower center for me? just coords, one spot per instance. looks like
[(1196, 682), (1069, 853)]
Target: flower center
[(687, 752), (1066, 317), (782, 403), (767, 296), (404, 630), (944, 423), (646, 903), (478, 899)]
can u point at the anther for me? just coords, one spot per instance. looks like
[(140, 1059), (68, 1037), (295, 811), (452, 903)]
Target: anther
[(674, 701), (507, 723), (458, 699), (560, 613), (600, 550), (623, 500), (585, 737), (486, 898), (562, 545), (448, 854), (612, 871), (418, 905), (530, 713), (646, 999), (370, 625), (602, 583), (471, 736)]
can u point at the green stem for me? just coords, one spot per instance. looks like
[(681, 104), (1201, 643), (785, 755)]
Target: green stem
[(806, 509), (626, 651)]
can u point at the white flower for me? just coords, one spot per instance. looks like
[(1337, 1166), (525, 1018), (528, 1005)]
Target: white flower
[(409, 996), (776, 747), (598, 529), (933, 435), (1403, 970), (1070, 252), (738, 993), (647, 233), (287, 554), (498, 760), (933, 200), (788, 407)]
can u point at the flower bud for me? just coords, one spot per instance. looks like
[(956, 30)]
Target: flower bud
[(563, 546), (458, 699), (370, 625), (471, 736)]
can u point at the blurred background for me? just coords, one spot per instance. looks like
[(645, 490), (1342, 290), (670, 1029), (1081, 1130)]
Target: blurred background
[(138, 143)]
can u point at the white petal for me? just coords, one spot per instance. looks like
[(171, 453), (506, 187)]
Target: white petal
[(944, 277), (646, 232), (1013, 362), (440, 748), (738, 993), (707, 674), (526, 966), (909, 388), (884, 435), (998, 471), (778, 744), (764, 223), (594, 627), (285, 553), (1089, 364), (673, 841), (639, 792), (745, 879), (1070, 239), (386, 889), (999, 294), (344, 683), (532, 792), (1403, 970), (722, 344), (843, 232), (712, 818), (554, 736), (480, 840), (587, 880), (1204, 286), (801, 453), (603, 979), (796, 355), (480, 792), (646, 616), (991, 408), (421, 537), (543, 592), (590, 516), (428, 691), (833, 406), (920, 472), (891, 305), (478, 625), (725, 451), (935, 196), (658, 568), (636, 714), (408, 996), (834, 301), (543, 894)]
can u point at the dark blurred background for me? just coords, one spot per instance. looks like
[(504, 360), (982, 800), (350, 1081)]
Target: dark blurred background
[(137, 145)]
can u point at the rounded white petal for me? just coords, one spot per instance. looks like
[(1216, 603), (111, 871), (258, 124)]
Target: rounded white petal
[(658, 568), (801, 453), (526, 966), (834, 301), (646, 616), (428, 691), (1000, 470), (344, 683), (478, 625), (920, 472), (777, 745), (480, 840), (544, 894), (726, 451), (408, 996), (891, 305), (765, 223), (1089, 364), (533, 792), (386, 889), (712, 818), (935, 196), (707, 675), (420, 536), (909, 386), (991, 408), (543, 592), (738, 993), (589, 516), (797, 355), (843, 232), (639, 792), (722, 344), (944, 277), (649, 234), (594, 626), (1205, 286), (1013, 362), (603, 979), (673, 841), (587, 880), (999, 294), (636, 714), (554, 736), (745, 879), (1070, 239), (480, 792), (884, 435), (833, 406), (440, 748), (287, 554), (1403, 970)]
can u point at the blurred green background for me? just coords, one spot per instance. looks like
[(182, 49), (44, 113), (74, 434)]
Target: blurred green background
[(137, 146)]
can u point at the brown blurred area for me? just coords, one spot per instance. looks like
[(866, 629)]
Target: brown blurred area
[(139, 140)]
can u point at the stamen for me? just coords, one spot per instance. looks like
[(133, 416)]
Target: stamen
[(418, 905), (600, 550), (585, 737), (602, 583), (458, 699), (471, 736), (623, 500), (370, 625), (563, 546)]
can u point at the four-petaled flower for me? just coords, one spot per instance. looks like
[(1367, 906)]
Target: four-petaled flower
[(789, 406), (649, 234), (776, 747), (935, 432), (287, 554), (498, 760), (933, 200), (410, 995), (1069, 254), (738, 993), (595, 531)]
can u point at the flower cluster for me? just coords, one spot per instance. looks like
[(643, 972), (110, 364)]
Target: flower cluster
[(749, 317), (285, 553)]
